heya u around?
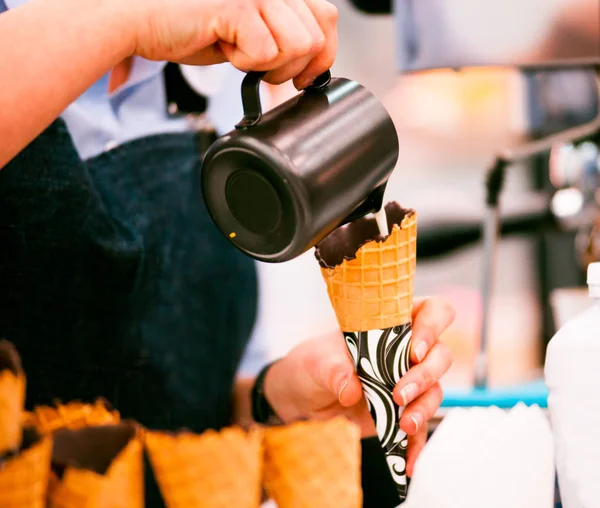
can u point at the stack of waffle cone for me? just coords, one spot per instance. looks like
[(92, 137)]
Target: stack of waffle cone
[(120, 484), (314, 464), (211, 470), (12, 398), (74, 415), (24, 477), (372, 289)]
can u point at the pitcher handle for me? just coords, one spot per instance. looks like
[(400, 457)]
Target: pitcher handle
[(251, 96)]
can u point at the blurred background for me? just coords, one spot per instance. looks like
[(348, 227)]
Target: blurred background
[(451, 125)]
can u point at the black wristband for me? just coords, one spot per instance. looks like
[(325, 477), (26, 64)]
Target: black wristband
[(262, 412)]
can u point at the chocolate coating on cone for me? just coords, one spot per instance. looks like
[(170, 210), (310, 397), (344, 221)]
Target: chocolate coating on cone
[(343, 243), (9, 358), (91, 448), (371, 288)]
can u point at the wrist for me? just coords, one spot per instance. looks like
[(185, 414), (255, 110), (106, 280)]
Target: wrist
[(123, 19), (277, 392)]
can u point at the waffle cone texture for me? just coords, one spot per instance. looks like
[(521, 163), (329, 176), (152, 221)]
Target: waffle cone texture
[(374, 290), (314, 464), (212, 470), (122, 486), (74, 415), (24, 477)]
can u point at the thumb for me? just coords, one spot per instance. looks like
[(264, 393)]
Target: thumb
[(341, 380)]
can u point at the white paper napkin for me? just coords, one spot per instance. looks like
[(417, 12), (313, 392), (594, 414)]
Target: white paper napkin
[(486, 457)]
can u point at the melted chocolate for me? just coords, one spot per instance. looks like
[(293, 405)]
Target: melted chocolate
[(92, 448), (346, 240), (9, 358)]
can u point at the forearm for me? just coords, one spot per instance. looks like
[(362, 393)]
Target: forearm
[(53, 50)]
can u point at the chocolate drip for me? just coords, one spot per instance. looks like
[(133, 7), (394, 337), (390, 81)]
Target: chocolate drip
[(92, 448), (346, 240)]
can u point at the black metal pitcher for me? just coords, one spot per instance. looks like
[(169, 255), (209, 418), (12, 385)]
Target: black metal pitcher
[(281, 182)]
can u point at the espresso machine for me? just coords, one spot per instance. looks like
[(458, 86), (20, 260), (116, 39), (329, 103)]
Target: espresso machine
[(555, 45)]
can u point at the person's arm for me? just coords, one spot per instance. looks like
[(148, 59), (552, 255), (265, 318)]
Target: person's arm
[(51, 51)]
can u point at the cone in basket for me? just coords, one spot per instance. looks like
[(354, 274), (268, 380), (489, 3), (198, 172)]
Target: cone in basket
[(12, 397), (97, 467), (370, 279), (74, 415), (24, 475), (210, 470), (314, 464)]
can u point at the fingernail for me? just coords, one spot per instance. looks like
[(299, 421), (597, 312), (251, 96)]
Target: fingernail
[(417, 418), (305, 82), (342, 390), (420, 351), (408, 393)]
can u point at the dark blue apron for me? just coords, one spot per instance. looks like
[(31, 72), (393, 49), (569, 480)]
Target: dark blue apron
[(114, 282)]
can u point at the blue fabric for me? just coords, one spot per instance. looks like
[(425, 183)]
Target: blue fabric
[(98, 121), (116, 283)]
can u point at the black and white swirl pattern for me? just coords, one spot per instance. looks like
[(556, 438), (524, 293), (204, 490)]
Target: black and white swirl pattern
[(381, 358)]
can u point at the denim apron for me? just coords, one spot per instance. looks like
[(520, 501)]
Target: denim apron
[(114, 282)]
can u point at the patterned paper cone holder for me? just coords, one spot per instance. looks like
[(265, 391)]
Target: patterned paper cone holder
[(370, 281)]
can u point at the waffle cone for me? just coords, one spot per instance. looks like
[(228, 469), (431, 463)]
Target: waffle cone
[(12, 398), (314, 465), (74, 415), (211, 470), (374, 290), (24, 478), (121, 486)]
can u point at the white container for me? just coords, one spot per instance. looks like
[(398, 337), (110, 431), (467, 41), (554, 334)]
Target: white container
[(573, 377)]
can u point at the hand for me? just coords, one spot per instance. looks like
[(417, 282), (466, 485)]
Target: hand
[(317, 379), (290, 38)]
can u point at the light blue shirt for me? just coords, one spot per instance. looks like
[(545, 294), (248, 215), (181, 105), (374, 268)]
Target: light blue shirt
[(98, 121)]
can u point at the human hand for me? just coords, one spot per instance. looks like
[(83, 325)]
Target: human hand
[(317, 379), (289, 38)]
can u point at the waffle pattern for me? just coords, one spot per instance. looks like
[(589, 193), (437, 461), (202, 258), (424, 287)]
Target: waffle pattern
[(212, 470), (24, 478), (314, 465), (12, 400), (74, 415), (77, 487), (121, 487), (375, 290)]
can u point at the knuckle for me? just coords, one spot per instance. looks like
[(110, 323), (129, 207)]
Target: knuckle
[(426, 380), (303, 46), (267, 53), (330, 12), (445, 354), (318, 43)]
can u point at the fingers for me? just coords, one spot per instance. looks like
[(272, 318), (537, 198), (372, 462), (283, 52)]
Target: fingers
[(247, 42), (320, 16), (416, 443), (327, 16), (430, 318), (418, 412), (423, 376), (289, 38)]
